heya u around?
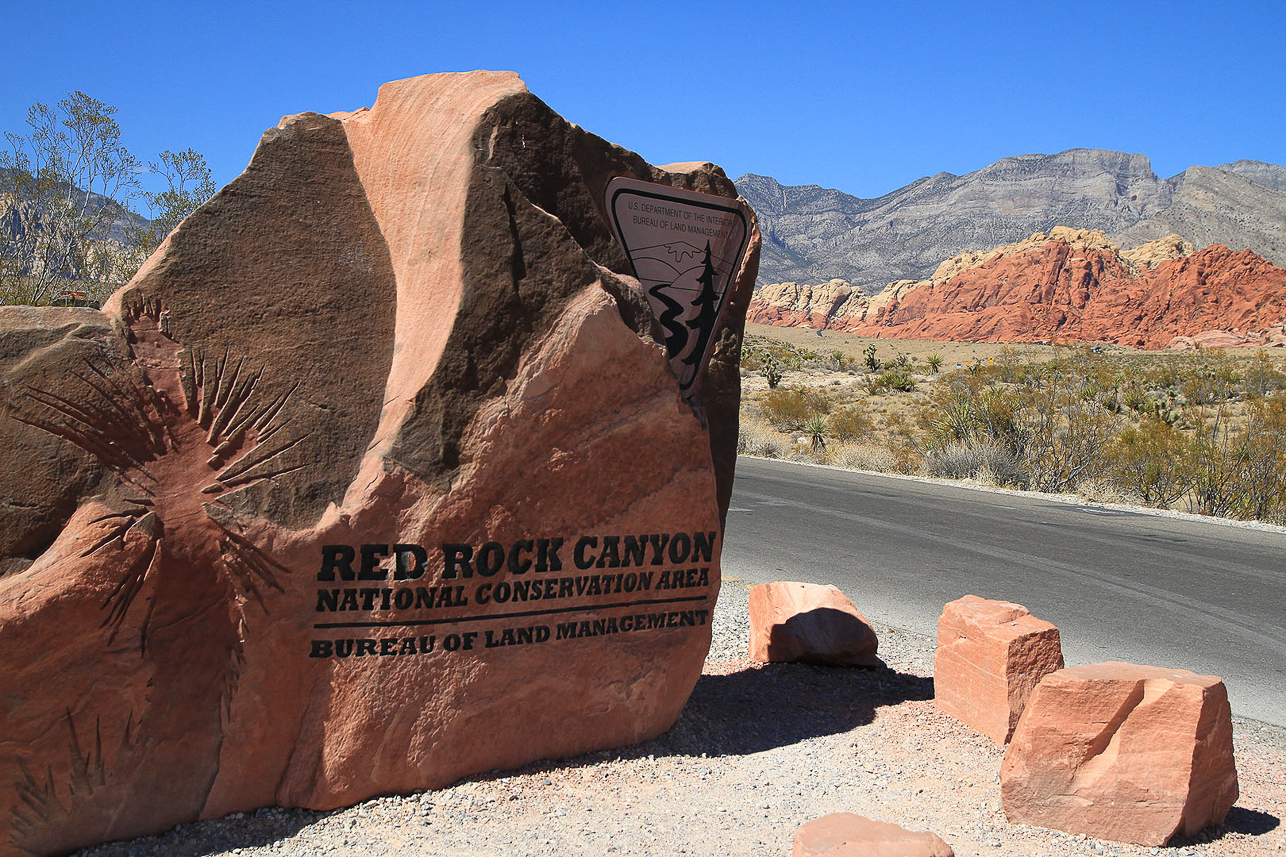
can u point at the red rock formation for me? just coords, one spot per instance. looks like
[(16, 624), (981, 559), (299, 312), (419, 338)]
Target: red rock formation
[(350, 490), (1121, 751), (989, 658), (1071, 286), (807, 623), (846, 834)]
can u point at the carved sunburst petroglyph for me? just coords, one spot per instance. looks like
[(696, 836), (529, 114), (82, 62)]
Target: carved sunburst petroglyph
[(179, 428), (183, 431)]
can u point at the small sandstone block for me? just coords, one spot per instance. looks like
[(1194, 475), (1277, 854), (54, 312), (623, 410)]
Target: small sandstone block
[(846, 834), (1122, 751), (990, 656), (809, 623)]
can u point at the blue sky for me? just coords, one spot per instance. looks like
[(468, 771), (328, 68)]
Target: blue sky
[(864, 97)]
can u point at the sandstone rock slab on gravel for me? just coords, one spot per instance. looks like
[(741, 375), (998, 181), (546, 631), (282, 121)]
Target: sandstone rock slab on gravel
[(990, 656), (847, 834), (809, 623), (721, 784), (1122, 751), (374, 477)]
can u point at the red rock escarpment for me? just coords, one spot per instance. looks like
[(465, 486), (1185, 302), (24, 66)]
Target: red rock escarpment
[(1072, 285)]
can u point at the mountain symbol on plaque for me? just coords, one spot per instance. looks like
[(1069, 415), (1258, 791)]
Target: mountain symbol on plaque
[(685, 248)]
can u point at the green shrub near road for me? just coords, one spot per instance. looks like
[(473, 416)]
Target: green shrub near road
[(1202, 432)]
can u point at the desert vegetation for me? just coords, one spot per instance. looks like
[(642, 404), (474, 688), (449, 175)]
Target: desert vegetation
[(1201, 431), (70, 231)]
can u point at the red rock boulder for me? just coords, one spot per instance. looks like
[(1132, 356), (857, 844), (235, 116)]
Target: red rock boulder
[(808, 623), (1121, 751), (989, 659), (375, 476), (846, 834)]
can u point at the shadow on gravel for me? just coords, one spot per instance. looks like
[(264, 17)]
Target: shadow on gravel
[(251, 830), (1250, 822), (780, 704), (1247, 822)]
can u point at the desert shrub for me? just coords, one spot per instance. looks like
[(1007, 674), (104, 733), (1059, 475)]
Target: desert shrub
[(1263, 460), (817, 430), (873, 363), (771, 372), (862, 456), (1010, 367), (1262, 377), (1053, 426), (850, 423), (1151, 461), (968, 415), (1134, 397), (753, 358), (790, 410), (841, 362), (987, 462), (898, 378), (757, 349), (1064, 425), (1212, 380), (753, 439)]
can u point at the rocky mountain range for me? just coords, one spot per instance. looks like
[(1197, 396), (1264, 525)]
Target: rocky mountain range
[(814, 234), (19, 215)]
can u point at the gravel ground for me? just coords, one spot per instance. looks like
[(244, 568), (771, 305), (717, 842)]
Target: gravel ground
[(758, 751)]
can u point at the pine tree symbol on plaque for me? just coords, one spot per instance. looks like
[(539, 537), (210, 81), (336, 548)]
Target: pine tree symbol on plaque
[(707, 306)]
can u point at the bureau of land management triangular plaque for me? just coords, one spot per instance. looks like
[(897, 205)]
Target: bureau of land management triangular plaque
[(686, 248)]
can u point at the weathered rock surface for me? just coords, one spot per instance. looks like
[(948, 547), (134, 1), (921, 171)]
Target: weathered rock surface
[(808, 623), (989, 659), (356, 487), (1121, 751), (1218, 206), (815, 234), (1069, 285), (847, 834)]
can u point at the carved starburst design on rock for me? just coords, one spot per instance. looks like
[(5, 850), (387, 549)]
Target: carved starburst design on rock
[(181, 429)]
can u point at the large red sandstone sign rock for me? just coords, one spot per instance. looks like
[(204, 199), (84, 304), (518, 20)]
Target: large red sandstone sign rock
[(808, 623), (1120, 751), (989, 659), (1071, 284), (374, 477), (846, 834)]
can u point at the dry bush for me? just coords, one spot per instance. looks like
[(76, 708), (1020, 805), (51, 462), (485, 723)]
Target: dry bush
[(1265, 468), (1066, 426), (988, 463), (1151, 462), (1200, 429), (790, 410), (1262, 377), (753, 438), (850, 423), (1106, 491), (863, 455)]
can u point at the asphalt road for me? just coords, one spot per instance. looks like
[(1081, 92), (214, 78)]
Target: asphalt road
[(1120, 585)]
